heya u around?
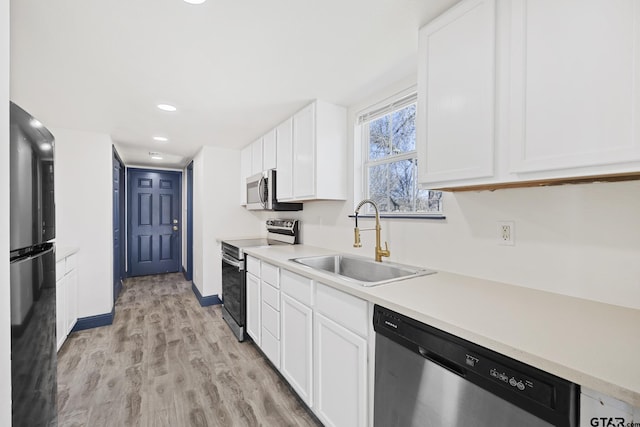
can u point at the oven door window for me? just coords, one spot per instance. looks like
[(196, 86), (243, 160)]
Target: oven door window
[(233, 291)]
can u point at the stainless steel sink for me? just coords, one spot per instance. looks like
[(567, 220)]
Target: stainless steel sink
[(363, 271)]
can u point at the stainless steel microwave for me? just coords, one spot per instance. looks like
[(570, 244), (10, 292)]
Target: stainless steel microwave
[(261, 194)]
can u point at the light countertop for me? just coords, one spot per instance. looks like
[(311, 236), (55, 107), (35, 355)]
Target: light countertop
[(64, 251), (593, 344)]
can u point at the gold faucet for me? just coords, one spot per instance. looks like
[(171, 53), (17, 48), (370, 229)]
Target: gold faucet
[(357, 244)]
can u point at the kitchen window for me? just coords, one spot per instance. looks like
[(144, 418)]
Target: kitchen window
[(389, 159)]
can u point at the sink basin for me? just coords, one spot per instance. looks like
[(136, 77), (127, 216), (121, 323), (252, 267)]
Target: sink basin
[(363, 271)]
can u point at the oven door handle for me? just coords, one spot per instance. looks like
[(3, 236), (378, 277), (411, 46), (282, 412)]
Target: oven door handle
[(232, 261)]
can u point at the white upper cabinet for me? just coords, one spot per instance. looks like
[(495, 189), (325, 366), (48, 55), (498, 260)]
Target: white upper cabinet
[(456, 105), (284, 183), (269, 150), (309, 153), (256, 157), (575, 100), (312, 154), (514, 91), (304, 174)]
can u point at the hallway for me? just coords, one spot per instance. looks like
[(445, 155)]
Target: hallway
[(166, 361)]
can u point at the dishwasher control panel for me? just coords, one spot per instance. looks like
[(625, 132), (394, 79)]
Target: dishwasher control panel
[(520, 383)]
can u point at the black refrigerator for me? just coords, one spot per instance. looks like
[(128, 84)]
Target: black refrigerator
[(33, 276)]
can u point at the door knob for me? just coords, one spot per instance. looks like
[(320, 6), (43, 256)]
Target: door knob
[(175, 228), (175, 221)]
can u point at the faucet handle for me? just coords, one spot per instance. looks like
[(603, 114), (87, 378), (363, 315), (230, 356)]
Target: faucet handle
[(386, 251)]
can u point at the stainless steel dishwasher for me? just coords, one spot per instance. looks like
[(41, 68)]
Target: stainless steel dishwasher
[(427, 377)]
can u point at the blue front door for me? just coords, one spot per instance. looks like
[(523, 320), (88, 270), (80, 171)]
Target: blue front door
[(154, 221)]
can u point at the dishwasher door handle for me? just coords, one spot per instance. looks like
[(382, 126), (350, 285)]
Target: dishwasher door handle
[(441, 361)]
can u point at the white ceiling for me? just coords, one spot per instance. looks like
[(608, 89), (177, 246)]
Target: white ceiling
[(234, 68)]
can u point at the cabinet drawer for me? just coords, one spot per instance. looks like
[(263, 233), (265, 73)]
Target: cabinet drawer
[(271, 295), (71, 263), (342, 308), (60, 269), (269, 274), (297, 287), (253, 265), (270, 320), (271, 347)]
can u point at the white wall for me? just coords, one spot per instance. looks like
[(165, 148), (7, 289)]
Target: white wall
[(579, 240), (84, 188), (5, 309), (217, 214)]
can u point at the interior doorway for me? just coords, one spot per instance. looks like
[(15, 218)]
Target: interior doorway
[(154, 221), (188, 271), (119, 267)]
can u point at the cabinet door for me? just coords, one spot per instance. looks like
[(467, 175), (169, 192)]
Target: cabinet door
[(304, 153), (269, 146), (296, 341), (61, 296), (245, 172), (575, 99), (71, 300), (256, 157), (456, 102), (284, 150), (340, 374), (253, 325)]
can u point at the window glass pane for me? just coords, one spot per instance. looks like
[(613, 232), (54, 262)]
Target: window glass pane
[(393, 186), (379, 187), (390, 141), (379, 137), (429, 201), (403, 137)]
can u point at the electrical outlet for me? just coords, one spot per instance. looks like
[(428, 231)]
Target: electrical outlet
[(506, 233)]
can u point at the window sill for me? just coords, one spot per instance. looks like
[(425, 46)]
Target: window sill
[(401, 216)]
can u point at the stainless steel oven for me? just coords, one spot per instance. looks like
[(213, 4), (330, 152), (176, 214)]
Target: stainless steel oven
[(280, 231)]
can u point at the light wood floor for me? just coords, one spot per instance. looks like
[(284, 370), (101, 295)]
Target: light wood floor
[(166, 361)]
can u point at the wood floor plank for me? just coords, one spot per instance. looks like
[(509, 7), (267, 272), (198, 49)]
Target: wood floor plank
[(167, 361)]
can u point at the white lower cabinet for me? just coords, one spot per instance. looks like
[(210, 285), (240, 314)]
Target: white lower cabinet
[(270, 329), (340, 358), (270, 316), (253, 308), (317, 337), (340, 373), (297, 346), (61, 291), (66, 297)]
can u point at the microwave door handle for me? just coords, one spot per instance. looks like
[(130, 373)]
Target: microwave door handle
[(261, 190)]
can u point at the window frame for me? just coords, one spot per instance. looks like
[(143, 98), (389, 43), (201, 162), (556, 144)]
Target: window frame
[(362, 163)]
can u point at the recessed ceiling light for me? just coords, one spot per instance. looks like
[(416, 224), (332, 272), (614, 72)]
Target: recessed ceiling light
[(167, 107), (160, 138), (35, 123), (194, 1), (155, 155)]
